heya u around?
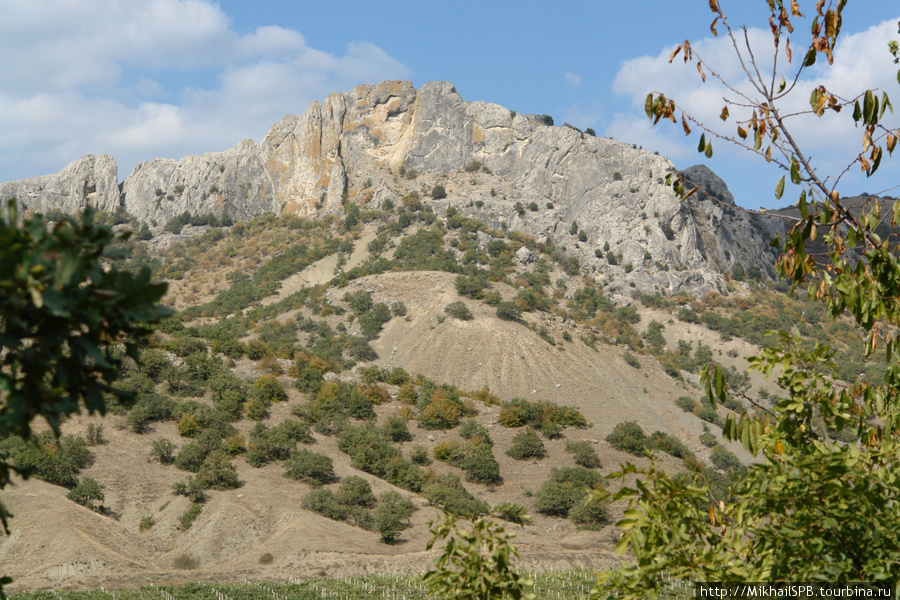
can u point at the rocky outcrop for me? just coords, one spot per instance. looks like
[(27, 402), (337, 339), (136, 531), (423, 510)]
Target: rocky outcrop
[(235, 182), (602, 202), (90, 180)]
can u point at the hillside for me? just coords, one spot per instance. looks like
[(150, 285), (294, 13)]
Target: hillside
[(458, 325), (585, 196)]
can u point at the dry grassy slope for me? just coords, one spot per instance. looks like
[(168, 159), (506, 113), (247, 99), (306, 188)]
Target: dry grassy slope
[(55, 543)]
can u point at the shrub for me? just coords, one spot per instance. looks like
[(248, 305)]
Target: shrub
[(323, 501), (94, 435), (565, 489), (458, 310), (217, 472), (266, 558), (355, 491), (440, 413), (584, 454), (438, 192), (591, 515), (480, 466), (309, 467), (397, 429), (447, 492), (628, 437), (668, 444), (509, 311), (527, 444), (86, 493), (188, 426), (164, 451), (470, 429), (268, 389), (686, 404), (186, 562), (390, 516), (418, 454), (725, 460), (189, 516), (631, 360), (146, 523)]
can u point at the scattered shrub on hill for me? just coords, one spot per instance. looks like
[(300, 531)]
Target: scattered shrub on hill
[(668, 444), (355, 491), (591, 514), (418, 455), (217, 472), (448, 493), (188, 518), (51, 460), (458, 310), (519, 412), (186, 562), (584, 454), (509, 311), (472, 430), (309, 467), (566, 488), (269, 390), (527, 444), (725, 460), (163, 451), (89, 494), (628, 437), (323, 501), (392, 515)]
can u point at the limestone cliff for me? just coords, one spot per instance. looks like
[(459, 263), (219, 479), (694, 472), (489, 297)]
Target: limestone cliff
[(600, 201), (89, 180)]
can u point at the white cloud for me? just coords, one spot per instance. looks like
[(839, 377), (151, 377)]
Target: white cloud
[(573, 79), (861, 61), (107, 76)]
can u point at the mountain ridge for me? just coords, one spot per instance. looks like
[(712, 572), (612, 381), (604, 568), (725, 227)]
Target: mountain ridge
[(602, 202)]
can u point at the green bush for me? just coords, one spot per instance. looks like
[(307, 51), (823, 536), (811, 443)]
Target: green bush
[(628, 437), (189, 516), (323, 501), (668, 444), (591, 515), (438, 192), (584, 454), (725, 460), (186, 562), (309, 467), (355, 491), (565, 489), (458, 310), (448, 493), (527, 444), (470, 429), (88, 493), (269, 390), (418, 454), (508, 311), (217, 472)]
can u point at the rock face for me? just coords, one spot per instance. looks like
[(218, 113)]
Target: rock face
[(89, 180), (599, 201)]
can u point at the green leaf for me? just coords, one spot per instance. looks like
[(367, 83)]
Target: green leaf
[(779, 188), (702, 146), (795, 171), (870, 106)]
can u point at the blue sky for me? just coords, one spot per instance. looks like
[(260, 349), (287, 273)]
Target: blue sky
[(140, 79)]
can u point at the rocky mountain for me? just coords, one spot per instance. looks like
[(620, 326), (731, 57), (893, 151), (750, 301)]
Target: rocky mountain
[(602, 202)]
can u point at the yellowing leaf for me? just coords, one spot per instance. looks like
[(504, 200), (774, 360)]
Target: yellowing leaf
[(684, 125), (700, 70), (724, 115)]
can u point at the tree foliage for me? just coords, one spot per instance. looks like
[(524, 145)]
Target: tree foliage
[(476, 562), (66, 323), (809, 508)]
